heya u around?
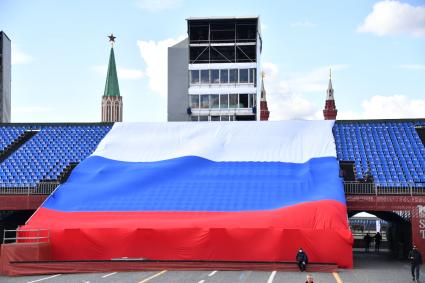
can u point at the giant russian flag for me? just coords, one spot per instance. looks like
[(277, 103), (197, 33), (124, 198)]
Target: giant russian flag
[(248, 191)]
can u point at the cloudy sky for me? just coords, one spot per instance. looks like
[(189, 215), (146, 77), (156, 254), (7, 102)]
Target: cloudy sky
[(60, 51)]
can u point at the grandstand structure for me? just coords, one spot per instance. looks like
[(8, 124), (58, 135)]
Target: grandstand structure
[(36, 158), (214, 74), (382, 163)]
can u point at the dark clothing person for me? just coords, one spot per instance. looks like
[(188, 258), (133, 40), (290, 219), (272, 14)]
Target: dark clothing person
[(367, 239), (415, 263), (302, 260), (378, 239)]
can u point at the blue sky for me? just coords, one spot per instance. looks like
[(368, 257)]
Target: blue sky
[(376, 50)]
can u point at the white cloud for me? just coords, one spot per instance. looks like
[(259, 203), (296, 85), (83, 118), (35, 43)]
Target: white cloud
[(130, 74), (394, 17), (303, 24), (413, 67), (123, 73), (158, 5), (19, 57), (396, 106), (155, 56), (286, 97), (388, 107)]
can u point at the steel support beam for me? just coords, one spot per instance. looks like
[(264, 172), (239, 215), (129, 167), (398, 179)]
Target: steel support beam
[(21, 202)]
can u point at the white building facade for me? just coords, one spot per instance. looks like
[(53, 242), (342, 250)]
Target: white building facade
[(223, 70)]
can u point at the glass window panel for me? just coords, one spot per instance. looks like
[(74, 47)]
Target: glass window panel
[(203, 118), (194, 76), (224, 101), (194, 101), (233, 100), (215, 118), (243, 76), (243, 100), (194, 118), (205, 76), (251, 75), (233, 76), (224, 76), (214, 99), (252, 100), (224, 118), (215, 76), (205, 102)]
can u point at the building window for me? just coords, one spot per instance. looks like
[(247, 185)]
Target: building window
[(243, 76), (194, 101), (194, 118), (252, 76), (243, 100), (215, 100), (194, 76), (215, 76), (205, 103), (215, 118), (225, 118), (224, 101), (203, 118), (205, 76), (224, 76), (233, 76), (252, 100), (233, 100)]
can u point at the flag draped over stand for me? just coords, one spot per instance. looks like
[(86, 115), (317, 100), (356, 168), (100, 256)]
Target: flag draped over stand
[(249, 191)]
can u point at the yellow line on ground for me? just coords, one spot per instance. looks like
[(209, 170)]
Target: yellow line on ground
[(153, 276), (337, 278)]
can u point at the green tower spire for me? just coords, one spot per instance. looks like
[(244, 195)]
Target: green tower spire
[(111, 87)]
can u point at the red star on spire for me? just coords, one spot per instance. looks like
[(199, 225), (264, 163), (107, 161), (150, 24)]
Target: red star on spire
[(112, 38)]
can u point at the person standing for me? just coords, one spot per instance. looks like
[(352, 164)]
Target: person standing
[(309, 279), (301, 259), (367, 239), (378, 239), (415, 261)]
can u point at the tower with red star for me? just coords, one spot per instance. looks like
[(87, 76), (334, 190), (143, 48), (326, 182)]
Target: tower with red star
[(330, 111)]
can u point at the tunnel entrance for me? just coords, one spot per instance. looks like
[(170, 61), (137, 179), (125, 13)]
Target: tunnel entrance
[(395, 230), (11, 219)]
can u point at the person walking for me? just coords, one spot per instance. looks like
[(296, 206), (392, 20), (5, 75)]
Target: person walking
[(415, 258), (378, 239), (301, 259)]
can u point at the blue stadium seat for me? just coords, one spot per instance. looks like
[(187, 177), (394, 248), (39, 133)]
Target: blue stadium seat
[(48, 153), (392, 151)]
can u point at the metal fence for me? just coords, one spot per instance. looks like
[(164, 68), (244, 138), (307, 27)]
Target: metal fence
[(359, 188), (42, 188), (26, 236), (350, 188)]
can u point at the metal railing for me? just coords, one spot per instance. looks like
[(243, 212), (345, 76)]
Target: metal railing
[(42, 188), (26, 236), (359, 188)]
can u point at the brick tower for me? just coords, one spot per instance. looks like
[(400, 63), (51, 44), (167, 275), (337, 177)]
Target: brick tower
[(330, 111), (111, 99), (264, 110)]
